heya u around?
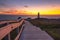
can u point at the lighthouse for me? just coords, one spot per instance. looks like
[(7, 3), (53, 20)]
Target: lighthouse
[(38, 16)]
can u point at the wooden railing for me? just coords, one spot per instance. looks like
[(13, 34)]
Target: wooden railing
[(6, 32)]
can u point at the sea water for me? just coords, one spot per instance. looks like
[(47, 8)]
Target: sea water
[(15, 17)]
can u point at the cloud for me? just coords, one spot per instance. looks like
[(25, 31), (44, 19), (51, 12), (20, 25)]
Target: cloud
[(26, 6), (3, 3), (9, 11)]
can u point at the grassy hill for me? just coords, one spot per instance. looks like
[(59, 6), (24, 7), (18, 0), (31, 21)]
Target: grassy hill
[(51, 26)]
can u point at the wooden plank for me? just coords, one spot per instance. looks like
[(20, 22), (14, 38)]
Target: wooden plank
[(7, 29)]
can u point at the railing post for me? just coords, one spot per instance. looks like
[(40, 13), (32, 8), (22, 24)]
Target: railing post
[(18, 29), (9, 37)]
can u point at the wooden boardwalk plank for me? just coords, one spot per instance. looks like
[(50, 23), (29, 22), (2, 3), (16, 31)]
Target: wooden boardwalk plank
[(31, 32)]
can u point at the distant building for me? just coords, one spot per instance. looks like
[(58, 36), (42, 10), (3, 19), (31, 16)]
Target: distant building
[(28, 19), (38, 16)]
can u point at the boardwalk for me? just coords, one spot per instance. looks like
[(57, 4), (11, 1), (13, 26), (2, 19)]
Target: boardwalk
[(31, 32)]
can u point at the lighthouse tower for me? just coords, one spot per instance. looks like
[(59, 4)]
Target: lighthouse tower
[(38, 16)]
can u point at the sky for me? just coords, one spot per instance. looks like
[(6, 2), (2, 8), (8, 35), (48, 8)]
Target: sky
[(30, 7)]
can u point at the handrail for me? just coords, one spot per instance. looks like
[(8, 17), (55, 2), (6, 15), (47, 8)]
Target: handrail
[(7, 29), (6, 22), (17, 37)]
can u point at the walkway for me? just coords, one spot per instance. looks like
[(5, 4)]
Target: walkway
[(31, 32)]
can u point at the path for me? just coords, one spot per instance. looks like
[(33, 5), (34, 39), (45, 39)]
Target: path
[(31, 32)]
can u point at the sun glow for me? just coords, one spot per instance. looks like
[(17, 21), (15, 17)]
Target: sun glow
[(33, 11)]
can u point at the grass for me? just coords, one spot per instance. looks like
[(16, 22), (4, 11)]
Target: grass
[(52, 29), (54, 33)]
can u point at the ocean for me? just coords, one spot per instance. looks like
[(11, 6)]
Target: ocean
[(14, 17)]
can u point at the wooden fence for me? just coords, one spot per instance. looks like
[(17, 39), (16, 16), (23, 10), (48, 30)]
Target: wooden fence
[(11, 31)]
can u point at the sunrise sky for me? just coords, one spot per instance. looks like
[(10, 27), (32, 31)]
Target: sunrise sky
[(30, 7)]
